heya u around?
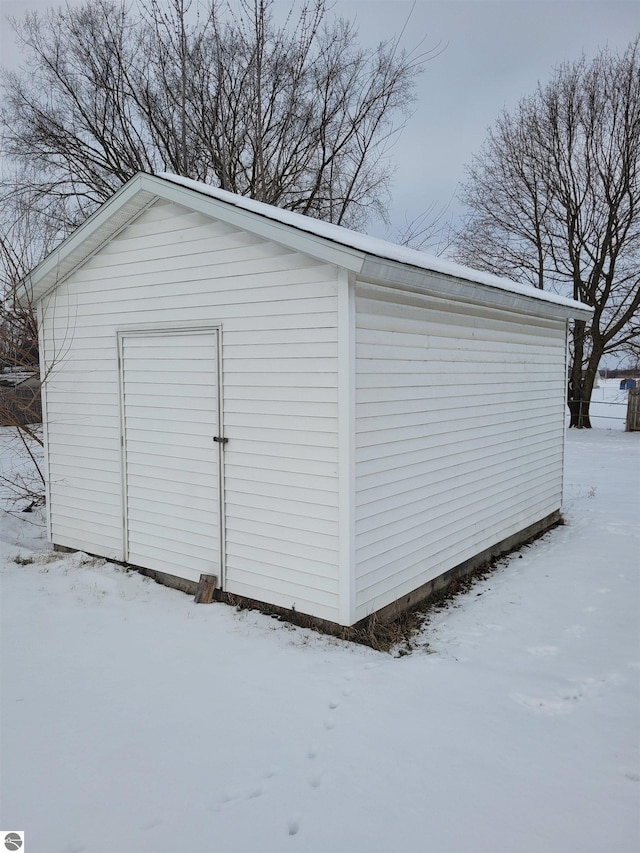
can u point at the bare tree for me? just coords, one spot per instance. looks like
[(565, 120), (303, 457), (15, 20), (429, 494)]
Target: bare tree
[(299, 115), (24, 239), (430, 231), (554, 198), (20, 248)]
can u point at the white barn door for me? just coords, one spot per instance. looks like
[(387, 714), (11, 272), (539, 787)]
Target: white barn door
[(170, 416)]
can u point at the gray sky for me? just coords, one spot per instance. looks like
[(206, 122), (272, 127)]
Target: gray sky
[(495, 53)]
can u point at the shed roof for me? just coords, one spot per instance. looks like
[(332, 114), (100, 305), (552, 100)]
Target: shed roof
[(370, 258)]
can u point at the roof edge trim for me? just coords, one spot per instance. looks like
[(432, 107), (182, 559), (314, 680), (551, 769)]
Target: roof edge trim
[(104, 223), (430, 282)]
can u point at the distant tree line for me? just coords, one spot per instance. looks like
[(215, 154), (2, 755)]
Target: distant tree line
[(619, 372)]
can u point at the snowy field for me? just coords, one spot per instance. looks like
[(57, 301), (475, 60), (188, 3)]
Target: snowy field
[(134, 721)]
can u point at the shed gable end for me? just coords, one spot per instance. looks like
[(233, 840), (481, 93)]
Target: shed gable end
[(175, 268)]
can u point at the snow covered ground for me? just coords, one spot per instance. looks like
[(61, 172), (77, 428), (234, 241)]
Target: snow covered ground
[(136, 721)]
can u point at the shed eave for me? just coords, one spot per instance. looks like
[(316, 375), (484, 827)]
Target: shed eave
[(381, 271), (88, 238), (353, 255)]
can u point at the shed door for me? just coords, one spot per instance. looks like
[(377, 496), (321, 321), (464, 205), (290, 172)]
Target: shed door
[(170, 413)]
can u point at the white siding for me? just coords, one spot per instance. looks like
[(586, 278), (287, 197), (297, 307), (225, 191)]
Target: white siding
[(277, 311), (170, 413), (459, 435)]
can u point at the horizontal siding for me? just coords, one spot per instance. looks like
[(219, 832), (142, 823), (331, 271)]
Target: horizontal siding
[(93, 328), (282, 591), (470, 502), (455, 480), (244, 499), (253, 320), (76, 538), (469, 453), (455, 419), (399, 576), (198, 279), (277, 313), (459, 433)]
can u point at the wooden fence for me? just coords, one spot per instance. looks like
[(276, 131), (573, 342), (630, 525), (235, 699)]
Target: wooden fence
[(633, 410)]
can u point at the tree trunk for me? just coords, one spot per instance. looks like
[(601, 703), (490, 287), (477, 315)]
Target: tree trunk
[(579, 396)]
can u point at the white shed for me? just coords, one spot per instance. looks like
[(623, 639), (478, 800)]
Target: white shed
[(325, 421)]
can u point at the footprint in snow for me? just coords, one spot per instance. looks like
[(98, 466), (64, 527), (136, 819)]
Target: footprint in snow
[(544, 706), (293, 826), (330, 722), (543, 651), (315, 779), (237, 796), (566, 701)]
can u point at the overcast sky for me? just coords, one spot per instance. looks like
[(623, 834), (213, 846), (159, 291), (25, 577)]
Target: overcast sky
[(495, 52)]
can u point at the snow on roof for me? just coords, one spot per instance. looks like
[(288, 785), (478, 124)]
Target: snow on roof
[(372, 246)]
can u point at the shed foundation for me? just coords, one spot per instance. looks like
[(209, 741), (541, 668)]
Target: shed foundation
[(385, 615)]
